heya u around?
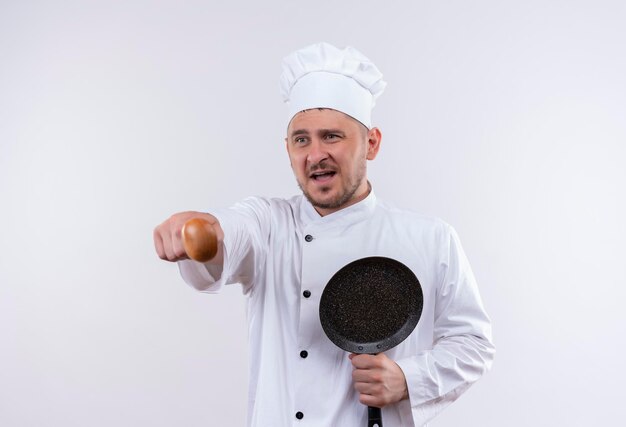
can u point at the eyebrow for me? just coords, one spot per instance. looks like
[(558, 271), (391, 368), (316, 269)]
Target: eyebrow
[(298, 132), (326, 131)]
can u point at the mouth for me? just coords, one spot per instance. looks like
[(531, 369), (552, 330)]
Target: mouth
[(322, 176)]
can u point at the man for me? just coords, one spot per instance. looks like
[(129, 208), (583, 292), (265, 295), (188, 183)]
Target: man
[(283, 252)]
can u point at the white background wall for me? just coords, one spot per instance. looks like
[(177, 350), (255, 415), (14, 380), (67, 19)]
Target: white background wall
[(505, 118)]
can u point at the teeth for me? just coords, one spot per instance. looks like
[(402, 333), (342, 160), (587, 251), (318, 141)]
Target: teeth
[(320, 174)]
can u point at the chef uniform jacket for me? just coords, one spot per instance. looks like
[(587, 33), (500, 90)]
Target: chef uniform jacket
[(283, 253)]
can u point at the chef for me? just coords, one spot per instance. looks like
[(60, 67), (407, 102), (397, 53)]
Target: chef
[(283, 252)]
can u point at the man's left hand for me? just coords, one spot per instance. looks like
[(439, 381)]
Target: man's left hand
[(378, 379)]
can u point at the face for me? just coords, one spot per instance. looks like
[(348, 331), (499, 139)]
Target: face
[(328, 151)]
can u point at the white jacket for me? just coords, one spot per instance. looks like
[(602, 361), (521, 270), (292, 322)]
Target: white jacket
[(267, 251)]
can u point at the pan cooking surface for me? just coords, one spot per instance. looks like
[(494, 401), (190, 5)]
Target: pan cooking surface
[(371, 305)]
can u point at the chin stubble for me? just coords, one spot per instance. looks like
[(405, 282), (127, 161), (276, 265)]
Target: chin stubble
[(341, 199)]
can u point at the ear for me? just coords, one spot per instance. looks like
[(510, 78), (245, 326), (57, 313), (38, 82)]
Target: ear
[(287, 145), (287, 149), (374, 138)]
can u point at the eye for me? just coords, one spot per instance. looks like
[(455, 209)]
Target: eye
[(300, 140), (331, 136)]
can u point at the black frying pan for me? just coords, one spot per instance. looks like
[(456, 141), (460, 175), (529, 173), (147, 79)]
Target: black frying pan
[(369, 306)]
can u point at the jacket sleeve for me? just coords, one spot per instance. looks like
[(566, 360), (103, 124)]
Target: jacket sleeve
[(462, 348), (246, 231)]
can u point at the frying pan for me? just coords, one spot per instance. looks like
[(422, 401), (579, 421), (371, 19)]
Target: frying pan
[(369, 306)]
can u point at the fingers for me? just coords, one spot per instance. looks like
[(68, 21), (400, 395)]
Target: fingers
[(158, 244), (372, 400), (164, 237), (167, 235), (367, 375), (178, 251), (371, 394), (172, 242), (366, 361), (378, 379)]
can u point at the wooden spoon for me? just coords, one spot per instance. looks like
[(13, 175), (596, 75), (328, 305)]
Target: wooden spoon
[(199, 240)]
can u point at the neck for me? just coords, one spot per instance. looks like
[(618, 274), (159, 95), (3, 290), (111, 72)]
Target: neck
[(363, 191)]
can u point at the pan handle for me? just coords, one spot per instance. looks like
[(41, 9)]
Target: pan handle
[(374, 417), (199, 239)]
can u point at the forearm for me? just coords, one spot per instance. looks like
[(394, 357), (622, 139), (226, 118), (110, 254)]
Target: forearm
[(239, 250), (439, 376)]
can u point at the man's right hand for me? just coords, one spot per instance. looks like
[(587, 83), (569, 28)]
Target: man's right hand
[(168, 239)]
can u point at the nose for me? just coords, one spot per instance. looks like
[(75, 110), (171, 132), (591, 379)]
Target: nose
[(317, 152)]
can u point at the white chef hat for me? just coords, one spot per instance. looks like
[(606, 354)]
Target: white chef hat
[(323, 76)]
